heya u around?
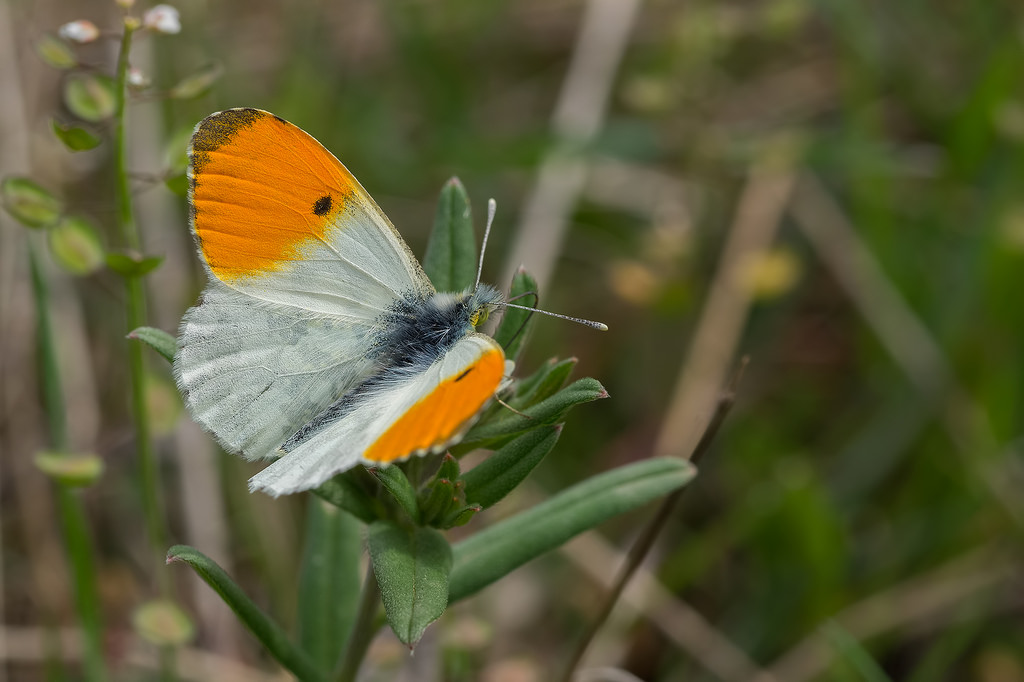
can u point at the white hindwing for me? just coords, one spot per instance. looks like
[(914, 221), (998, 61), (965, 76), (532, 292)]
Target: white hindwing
[(252, 372), (340, 444)]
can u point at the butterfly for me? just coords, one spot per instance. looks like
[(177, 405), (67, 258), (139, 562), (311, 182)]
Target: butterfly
[(319, 341)]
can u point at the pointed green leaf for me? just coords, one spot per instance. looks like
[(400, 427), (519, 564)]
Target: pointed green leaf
[(450, 260), (328, 582), (437, 501), (543, 384), (55, 52), (346, 494), (74, 138), (498, 429), (499, 474), (395, 482), (90, 96), (268, 632), (412, 567), (196, 85), (516, 323), (75, 245), (157, 339), (76, 471), (505, 546), (132, 264), (28, 203)]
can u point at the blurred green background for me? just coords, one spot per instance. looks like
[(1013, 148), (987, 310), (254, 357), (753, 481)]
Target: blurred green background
[(834, 188)]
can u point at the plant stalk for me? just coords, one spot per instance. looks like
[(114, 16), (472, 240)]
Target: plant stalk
[(645, 542), (363, 630), (149, 473), (136, 317), (77, 543)]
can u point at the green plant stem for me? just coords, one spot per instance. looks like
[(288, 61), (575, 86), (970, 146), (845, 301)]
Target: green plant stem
[(149, 473), (645, 542), (77, 543), (365, 628), (136, 314)]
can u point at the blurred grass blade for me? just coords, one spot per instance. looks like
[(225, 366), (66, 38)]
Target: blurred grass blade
[(451, 258), (548, 411), (496, 551), (328, 582), (259, 623), (412, 566), (854, 653), (157, 339), (395, 482), (197, 84), (344, 493), (499, 474), (516, 323)]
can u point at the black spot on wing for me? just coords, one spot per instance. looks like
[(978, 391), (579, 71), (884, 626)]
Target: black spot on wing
[(322, 205)]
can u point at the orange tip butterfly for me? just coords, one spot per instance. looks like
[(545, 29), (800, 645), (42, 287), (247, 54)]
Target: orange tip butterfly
[(319, 341)]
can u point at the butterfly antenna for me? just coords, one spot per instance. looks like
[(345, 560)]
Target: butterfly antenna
[(600, 326), (492, 207)]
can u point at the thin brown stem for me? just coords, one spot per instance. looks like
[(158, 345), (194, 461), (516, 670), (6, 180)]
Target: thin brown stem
[(642, 547)]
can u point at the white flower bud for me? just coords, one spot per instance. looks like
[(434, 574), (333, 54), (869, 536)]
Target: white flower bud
[(81, 31), (137, 79), (162, 19)]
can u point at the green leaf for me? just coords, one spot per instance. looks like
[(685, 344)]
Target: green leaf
[(549, 411), (74, 138), (89, 96), (516, 323), (505, 546), (196, 85), (543, 383), (395, 482), (268, 632), (499, 474), (346, 494), (163, 623), (129, 264), (157, 339), (28, 203), (75, 471), (450, 260), (75, 245), (328, 582), (55, 52), (412, 567), (437, 501)]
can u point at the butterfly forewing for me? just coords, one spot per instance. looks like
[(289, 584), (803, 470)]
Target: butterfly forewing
[(302, 264)]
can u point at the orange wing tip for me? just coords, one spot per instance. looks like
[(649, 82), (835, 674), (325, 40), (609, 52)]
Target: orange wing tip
[(440, 418), (263, 192)]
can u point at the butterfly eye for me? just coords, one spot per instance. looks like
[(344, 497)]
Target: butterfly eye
[(478, 317)]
